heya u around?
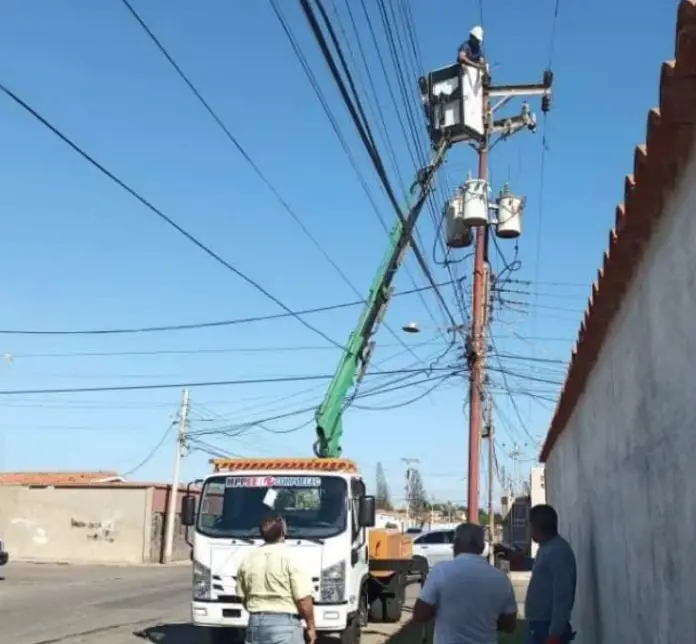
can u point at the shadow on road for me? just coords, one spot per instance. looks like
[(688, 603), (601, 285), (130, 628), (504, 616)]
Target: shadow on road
[(416, 634), (172, 634)]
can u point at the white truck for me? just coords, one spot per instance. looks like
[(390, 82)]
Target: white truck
[(358, 572)]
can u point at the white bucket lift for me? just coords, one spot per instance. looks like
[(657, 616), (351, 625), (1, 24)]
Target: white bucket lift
[(510, 209), (475, 203), (458, 233)]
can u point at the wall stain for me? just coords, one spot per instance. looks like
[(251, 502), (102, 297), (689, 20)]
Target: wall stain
[(104, 530)]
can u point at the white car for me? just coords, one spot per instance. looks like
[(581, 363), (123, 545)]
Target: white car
[(436, 546)]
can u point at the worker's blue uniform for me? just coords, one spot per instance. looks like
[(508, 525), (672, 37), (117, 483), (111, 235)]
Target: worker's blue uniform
[(551, 593), (472, 50)]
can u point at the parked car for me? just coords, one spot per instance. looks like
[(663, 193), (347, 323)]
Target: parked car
[(511, 558), (436, 545), (4, 557)]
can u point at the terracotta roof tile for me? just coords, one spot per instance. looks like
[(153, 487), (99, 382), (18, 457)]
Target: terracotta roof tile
[(657, 167), (53, 478)]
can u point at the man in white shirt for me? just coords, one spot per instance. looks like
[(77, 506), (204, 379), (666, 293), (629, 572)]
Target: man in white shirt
[(469, 600)]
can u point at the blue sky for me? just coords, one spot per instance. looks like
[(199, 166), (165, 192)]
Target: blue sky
[(80, 253)]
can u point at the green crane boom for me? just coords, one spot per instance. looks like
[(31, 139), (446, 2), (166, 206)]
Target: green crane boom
[(356, 357)]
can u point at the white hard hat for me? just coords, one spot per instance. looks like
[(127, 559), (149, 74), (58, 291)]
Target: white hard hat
[(477, 32)]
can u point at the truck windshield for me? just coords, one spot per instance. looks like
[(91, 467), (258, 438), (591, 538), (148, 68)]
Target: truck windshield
[(314, 507)]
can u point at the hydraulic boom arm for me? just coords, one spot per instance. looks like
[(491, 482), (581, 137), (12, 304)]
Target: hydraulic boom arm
[(356, 357)]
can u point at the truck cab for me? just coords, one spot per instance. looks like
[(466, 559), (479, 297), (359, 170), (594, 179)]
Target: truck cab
[(327, 512)]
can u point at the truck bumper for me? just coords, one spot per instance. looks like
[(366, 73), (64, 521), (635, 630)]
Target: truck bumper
[(329, 618)]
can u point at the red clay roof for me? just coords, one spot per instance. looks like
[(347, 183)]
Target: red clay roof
[(53, 478), (657, 168)]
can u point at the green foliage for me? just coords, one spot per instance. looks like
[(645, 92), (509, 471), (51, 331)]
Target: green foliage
[(417, 496), (382, 497)]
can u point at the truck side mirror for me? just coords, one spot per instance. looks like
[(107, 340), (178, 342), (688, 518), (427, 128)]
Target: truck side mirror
[(367, 511), (188, 510)]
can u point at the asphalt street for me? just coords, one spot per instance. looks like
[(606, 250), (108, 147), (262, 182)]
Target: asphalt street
[(54, 604)]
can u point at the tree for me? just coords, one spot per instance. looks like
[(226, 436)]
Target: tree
[(417, 496), (382, 498)]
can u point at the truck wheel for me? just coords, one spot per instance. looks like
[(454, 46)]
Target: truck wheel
[(363, 615), (392, 609), (376, 612), (353, 633), (422, 567)]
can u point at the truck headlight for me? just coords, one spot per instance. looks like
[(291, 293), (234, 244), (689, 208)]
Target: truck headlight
[(332, 584), (201, 582)]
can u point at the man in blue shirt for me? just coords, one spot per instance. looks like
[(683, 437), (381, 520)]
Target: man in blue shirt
[(551, 591), (471, 51)]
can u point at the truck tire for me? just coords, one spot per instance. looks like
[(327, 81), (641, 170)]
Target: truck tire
[(376, 611), (422, 567), (353, 632), (393, 608)]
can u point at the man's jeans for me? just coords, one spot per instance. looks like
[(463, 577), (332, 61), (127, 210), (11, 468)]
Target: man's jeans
[(537, 632), (274, 628)]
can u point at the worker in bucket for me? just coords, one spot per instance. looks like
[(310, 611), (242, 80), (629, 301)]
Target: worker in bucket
[(471, 51), (276, 590)]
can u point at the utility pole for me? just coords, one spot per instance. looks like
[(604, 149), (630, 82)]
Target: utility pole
[(515, 455), (488, 429), (174, 492), (408, 462), (460, 105)]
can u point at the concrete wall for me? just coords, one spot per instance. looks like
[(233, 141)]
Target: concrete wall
[(181, 551), (76, 524), (622, 474)]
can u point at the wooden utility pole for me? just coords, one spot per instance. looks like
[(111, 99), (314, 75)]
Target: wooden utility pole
[(173, 505), (491, 466), (452, 97), (478, 339)]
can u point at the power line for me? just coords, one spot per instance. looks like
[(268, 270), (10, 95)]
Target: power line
[(179, 385), (206, 325), (199, 351), (296, 218), (151, 453), (510, 356), (164, 217), (440, 381), (365, 134), (376, 391)]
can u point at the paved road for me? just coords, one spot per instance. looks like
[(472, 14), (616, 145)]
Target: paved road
[(48, 604), (53, 604)]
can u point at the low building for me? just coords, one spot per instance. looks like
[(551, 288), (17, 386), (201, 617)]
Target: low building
[(83, 518)]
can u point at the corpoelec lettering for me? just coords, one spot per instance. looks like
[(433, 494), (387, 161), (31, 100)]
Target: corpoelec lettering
[(297, 481), (273, 481)]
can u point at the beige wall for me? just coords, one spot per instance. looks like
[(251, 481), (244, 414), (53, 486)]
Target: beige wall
[(622, 473), (77, 524)]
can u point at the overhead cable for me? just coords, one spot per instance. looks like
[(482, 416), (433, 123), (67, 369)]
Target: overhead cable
[(188, 385), (261, 422), (206, 325), (164, 217), (296, 218), (366, 138), (151, 454)]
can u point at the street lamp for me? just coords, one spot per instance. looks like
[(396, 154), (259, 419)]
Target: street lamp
[(413, 327)]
